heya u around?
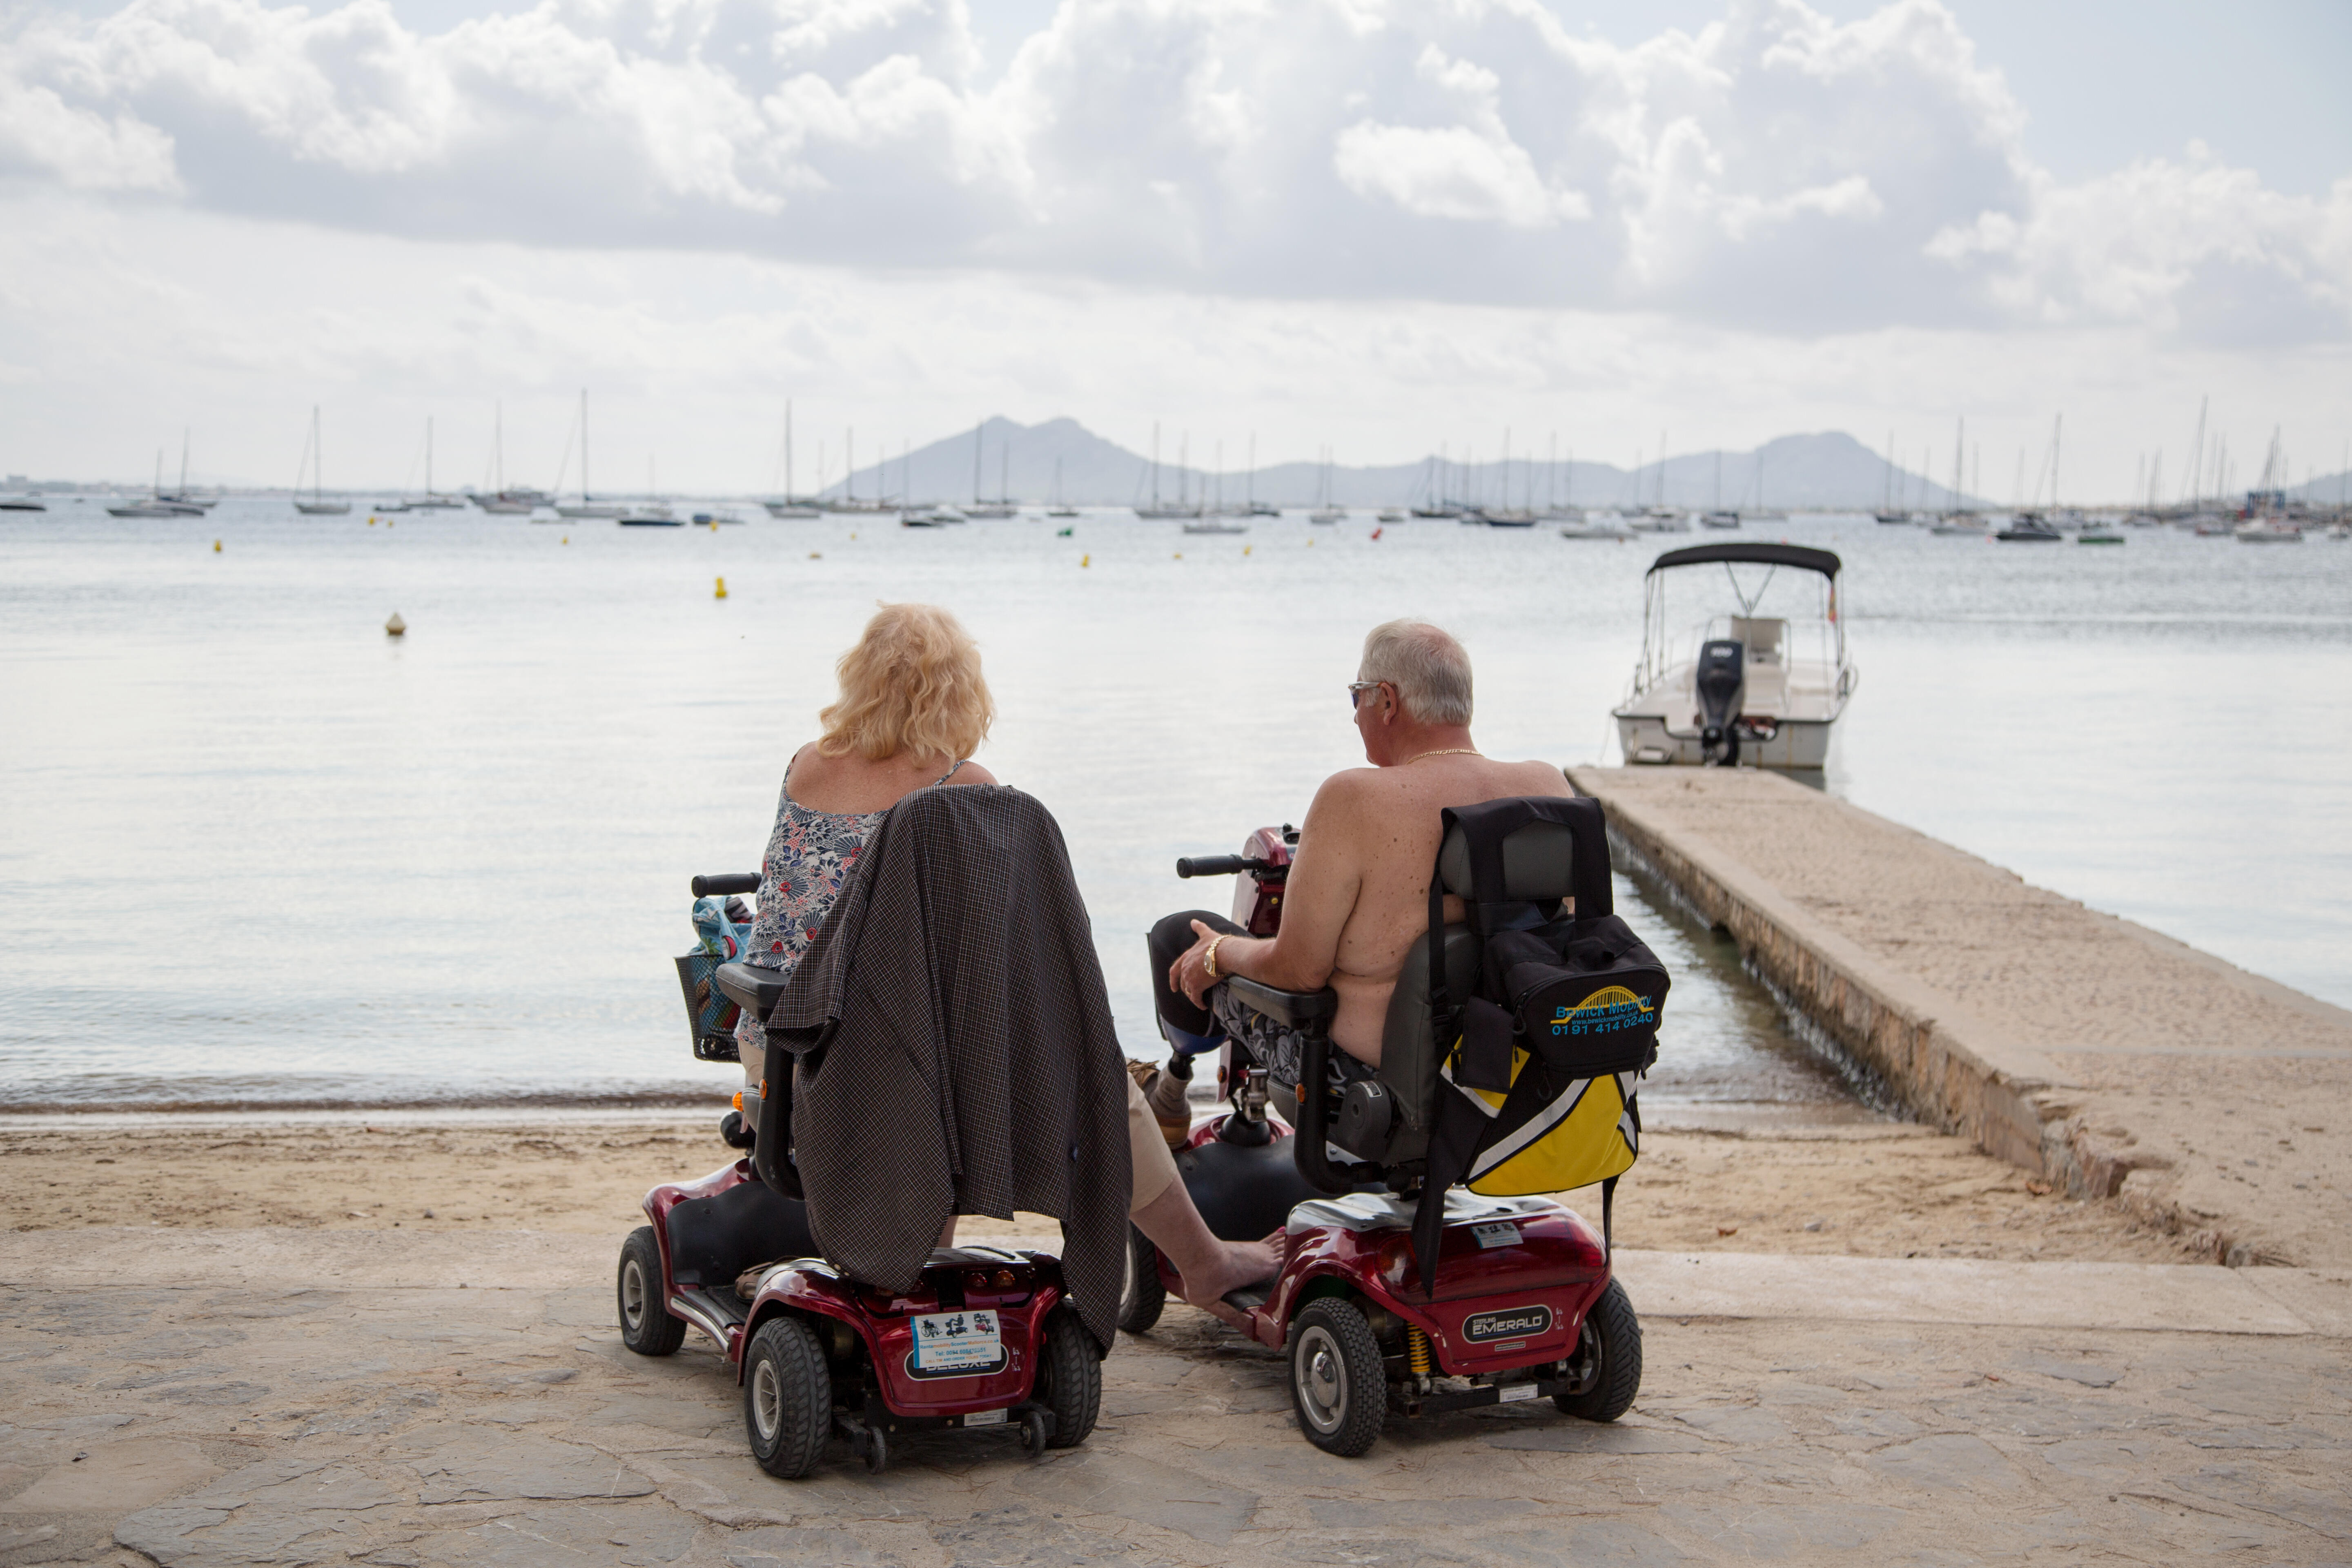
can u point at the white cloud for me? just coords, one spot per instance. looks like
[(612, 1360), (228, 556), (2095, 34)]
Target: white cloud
[(1773, 170)]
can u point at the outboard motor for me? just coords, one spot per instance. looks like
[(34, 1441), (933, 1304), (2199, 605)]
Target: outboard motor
[(1721, 679)]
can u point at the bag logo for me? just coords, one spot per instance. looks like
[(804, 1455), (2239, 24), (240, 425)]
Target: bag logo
[(1519, 1322), (1607, 1011)]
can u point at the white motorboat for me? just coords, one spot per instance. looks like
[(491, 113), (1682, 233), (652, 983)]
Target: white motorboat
[(2098, 530), (1197, 523), (1760, 687), (931, 517), (1392, 514), (1327, 514), (1720, 520), (1660, 520), (1958, 525), (792, 507), (2268, 530), (652, 514)]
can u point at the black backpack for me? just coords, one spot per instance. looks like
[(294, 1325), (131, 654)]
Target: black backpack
[(1542, 1063)]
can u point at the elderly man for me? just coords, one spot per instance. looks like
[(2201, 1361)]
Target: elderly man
[(1357, 893)]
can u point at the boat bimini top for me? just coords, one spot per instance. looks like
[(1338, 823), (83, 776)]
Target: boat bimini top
[(1803, 557)]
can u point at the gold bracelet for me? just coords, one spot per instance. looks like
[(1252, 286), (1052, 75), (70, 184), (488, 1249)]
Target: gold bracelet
[(1209, 959)]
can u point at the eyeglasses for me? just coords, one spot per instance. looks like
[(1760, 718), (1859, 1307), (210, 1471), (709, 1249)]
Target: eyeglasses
[(1356, 689)]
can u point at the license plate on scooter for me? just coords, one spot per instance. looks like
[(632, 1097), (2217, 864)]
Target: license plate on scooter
[(951, 1341)]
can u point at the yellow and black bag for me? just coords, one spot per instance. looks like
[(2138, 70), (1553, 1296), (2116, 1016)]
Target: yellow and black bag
[(1537, 1089)]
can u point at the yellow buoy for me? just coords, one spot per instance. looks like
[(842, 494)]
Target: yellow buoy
[(1310, 541), (816, 555), (216, 547), (721, 592), (1180, 555), (1245, 548), (396, 627), (370, 519), (1085, 559), (714, 526), (565, 540)]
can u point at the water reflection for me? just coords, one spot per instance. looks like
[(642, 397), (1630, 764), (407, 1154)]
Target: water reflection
[(1728, 1055)]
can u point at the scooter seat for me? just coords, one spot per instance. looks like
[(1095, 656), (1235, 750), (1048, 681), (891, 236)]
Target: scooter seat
[(1293, 1007)]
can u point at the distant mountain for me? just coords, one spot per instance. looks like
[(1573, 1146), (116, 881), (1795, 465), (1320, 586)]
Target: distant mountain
[(1830, 470), (2328, 490)]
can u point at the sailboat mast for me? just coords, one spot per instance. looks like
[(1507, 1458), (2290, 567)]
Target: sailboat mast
[(2057, 428), (499, 442), (583, 445), (183, 462), (1249, 484), (1155, 463), (788, 449), (428, 456), (976, 429)]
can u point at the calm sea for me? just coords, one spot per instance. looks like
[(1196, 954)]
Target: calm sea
[(252, 850)]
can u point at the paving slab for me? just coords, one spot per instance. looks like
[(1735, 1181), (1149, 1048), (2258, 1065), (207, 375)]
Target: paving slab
[(2115, 1060), (361, 1408)]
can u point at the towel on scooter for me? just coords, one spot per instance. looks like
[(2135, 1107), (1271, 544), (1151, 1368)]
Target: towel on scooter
[(955, 1048)]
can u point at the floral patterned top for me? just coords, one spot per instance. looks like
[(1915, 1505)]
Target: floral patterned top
[(808, 860)]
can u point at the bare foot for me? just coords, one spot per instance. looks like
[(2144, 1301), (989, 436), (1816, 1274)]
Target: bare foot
[(1230, 1266)]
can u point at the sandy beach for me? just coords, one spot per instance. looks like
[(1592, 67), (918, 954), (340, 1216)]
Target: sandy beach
[(1885, 1190)]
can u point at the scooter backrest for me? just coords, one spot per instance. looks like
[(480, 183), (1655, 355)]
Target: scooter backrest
[(1409, 1055), (1538, 863)]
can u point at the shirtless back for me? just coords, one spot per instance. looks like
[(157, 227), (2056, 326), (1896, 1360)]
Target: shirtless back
[(1358, 892)]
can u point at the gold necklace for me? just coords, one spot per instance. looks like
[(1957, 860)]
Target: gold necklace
[(1448, 752)]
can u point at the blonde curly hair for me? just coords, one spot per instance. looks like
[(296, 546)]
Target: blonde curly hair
[(911, 683)]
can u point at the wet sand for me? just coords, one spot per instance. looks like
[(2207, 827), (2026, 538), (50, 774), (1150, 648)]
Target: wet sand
[(1878, 1189)]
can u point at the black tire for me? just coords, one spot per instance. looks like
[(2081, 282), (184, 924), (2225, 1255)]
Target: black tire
[(787, 1398), (1612, 1334), (1069, 1378), (646, 1326), (1141, 1297), (1339, 1387)]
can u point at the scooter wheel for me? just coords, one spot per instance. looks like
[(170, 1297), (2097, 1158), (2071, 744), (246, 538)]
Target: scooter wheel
[(787, 1398), (1611, 1345), (1069, 1378), (646, 1326), (1337, 1384), (1033, 1433), (874, 1449), (1140, 1293)]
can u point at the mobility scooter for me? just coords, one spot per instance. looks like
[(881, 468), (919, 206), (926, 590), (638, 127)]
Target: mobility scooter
[(1519, 1303), (985, 1338)]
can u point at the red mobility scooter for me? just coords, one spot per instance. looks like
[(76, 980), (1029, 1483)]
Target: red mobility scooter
[(985, 1338), (1519, 1303)]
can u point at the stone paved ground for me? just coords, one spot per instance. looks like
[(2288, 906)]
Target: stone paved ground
[(251, 1397)]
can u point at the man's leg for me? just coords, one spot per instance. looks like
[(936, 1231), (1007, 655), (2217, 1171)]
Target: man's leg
[(1162, 1210)]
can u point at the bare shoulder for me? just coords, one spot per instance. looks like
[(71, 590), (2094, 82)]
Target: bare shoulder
[(1348, 791), (1542, 778), (973, 773)]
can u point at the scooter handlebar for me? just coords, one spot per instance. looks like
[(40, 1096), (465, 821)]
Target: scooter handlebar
[(1221, 865), (720, 887)]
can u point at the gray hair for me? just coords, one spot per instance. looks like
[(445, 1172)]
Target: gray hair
[(1427, 666)]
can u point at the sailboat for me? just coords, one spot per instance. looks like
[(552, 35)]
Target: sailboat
[(181, 497), (1001, 507), (432, 499), (1325, 511), (157, 503), (587, 506), (789, 504), (1060, 507), (1157, 510), (314, 460), (502, 502)]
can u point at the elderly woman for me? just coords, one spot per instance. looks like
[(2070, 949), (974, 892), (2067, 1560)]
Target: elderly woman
[(913, 708)]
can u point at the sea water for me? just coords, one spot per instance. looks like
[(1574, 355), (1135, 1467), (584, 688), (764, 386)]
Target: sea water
[(254, 850)]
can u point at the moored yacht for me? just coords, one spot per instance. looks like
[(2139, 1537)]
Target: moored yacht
[(1759, 686)]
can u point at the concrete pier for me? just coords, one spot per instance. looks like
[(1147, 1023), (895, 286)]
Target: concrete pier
[(2106, 1058)]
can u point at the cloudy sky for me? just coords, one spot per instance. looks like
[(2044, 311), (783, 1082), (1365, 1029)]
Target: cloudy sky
[(1374, 225)]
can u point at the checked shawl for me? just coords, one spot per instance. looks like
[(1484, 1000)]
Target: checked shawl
[(956, 1054)]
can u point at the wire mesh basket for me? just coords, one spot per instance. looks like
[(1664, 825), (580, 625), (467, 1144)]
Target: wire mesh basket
[(709, 1014)]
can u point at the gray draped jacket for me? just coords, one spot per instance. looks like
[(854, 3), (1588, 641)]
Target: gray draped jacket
[(955, 1048)]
